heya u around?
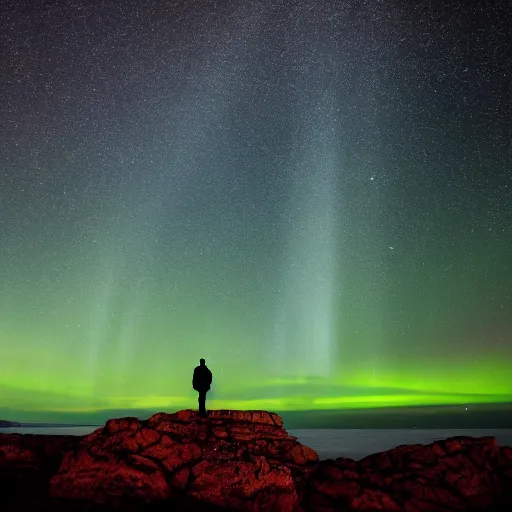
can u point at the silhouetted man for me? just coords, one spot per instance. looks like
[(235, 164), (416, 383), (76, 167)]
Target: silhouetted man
[(201, 382)]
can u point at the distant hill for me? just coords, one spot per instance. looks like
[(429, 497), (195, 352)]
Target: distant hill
[(5, 424)]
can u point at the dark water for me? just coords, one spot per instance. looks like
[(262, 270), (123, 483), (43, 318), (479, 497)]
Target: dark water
[(332, 443)]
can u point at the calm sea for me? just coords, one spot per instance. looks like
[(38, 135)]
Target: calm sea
[(330, 443)]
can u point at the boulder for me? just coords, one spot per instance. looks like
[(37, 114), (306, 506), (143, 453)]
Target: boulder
[(244, 460), (456, 474), (27, 463)]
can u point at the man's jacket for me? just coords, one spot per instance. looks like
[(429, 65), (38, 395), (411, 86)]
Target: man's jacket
[(202, 379)]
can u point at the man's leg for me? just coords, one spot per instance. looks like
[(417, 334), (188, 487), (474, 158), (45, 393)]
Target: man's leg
[(202, 400), (204, 404)]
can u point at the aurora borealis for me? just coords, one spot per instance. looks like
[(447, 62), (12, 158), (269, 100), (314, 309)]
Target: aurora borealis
[(316, 197)]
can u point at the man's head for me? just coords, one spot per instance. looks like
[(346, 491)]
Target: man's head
[(202, 362)]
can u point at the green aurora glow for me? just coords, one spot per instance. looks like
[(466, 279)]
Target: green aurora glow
[(295, 194)]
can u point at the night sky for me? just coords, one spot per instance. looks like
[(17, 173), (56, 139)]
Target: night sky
[(316, 197)]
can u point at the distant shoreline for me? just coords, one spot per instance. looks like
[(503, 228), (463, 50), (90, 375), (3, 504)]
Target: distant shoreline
[(23, 424), (15, 424), (9, 424), (472, 416)]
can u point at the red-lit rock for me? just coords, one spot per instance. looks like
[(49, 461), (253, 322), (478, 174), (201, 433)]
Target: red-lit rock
[(27, 463), (459, 473), (242, 461)]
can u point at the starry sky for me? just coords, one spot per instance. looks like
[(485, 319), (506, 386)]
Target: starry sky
[(316, 197)]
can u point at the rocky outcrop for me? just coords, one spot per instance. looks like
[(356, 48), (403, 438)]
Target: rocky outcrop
[(459, 473), (242, 461), (27, 463), (9, 424)]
